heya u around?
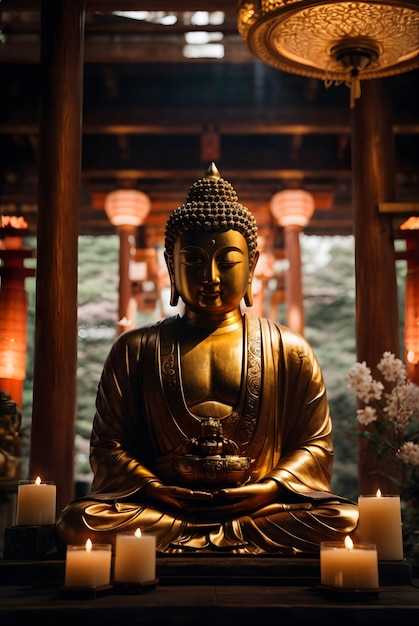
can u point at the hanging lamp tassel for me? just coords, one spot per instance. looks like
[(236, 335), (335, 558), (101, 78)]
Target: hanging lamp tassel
[(355, 87)]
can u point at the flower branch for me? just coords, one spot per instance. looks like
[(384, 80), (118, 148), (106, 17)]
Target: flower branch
[(389, 420)]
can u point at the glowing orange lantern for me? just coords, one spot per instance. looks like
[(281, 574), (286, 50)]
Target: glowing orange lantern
[(126, 210), (293, 208), (13, 314), (411, 313)]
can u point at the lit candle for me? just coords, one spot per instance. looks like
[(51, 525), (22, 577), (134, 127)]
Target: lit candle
[(380, 523), (88, 566), (348, 566), (36, 502), (135, 557)]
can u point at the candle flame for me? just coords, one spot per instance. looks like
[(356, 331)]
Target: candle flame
[(137, 533), (378, 494), (349, 544), (38, 481), (89, 546)]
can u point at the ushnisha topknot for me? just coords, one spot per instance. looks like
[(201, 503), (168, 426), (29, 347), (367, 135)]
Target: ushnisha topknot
[(211, 204)]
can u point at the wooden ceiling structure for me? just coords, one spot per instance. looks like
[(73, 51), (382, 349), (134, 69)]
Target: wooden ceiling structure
[(153, 119)]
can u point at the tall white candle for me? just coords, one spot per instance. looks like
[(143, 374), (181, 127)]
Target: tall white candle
[(135, 557), (380, 523), (88, 566), (36, 503), (345, 565)]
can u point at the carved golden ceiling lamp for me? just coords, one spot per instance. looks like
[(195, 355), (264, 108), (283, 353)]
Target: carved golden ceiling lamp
[(126, 210), (338, 42)]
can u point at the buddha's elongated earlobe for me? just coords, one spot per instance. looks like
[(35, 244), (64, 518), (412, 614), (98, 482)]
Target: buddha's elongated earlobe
[(174, 296), (248, 296)]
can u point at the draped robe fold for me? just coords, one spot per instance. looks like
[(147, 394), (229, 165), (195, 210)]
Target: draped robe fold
[(281, 422)]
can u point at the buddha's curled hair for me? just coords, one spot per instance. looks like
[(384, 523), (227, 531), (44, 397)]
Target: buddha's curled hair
[(211, 204)]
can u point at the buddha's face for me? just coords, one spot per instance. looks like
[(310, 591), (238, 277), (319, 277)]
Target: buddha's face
[(211, 270)]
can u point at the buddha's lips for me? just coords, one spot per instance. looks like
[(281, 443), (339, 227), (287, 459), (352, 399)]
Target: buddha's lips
[(212, 294)]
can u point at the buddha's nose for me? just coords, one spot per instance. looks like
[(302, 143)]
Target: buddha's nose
[(211, 273)]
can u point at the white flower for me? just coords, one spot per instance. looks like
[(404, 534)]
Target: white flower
[(362, 382), (409, 453), (366, 415), (411, 402), (403, 403), (392, 368), (389, 408)]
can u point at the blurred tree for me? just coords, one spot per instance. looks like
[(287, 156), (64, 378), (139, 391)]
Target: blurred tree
[(329, 301)]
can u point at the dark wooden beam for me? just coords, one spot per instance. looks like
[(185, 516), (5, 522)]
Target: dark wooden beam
[(134, 49), (231, 121)]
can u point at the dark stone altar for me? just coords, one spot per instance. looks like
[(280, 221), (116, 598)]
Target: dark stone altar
[(212, 591)]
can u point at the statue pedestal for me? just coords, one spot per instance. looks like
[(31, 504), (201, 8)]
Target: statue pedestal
[(8, 499), (30, 543), (260, 570), (198, 570), (210, 591)]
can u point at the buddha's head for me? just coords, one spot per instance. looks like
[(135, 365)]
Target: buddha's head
[(211, 239)]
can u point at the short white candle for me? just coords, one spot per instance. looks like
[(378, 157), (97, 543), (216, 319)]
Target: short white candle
[(88, 566), (348, 566), (36, 503), (380, 523), (135, 557)]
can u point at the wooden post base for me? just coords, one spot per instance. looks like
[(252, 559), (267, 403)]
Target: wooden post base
[(31, 543)]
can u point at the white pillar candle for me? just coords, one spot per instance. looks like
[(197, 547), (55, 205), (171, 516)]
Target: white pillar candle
[(135, 558), (88, 566), (380, 523), (36, 503), (349, 566)]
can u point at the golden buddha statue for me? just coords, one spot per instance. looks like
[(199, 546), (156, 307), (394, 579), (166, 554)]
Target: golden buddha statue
[(212, 429)]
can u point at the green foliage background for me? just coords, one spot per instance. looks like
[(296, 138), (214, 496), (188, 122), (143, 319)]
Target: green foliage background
[(329, 303)]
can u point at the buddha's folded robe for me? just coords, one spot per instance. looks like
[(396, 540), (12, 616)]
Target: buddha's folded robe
[(281, 422)]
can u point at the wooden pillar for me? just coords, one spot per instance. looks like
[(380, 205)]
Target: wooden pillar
[(126, 234), (377, 322), (126, 209), (293, 209), (55, 358), (293, 280)]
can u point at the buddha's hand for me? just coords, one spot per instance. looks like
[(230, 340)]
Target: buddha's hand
[(247, 498), (182, 498)]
